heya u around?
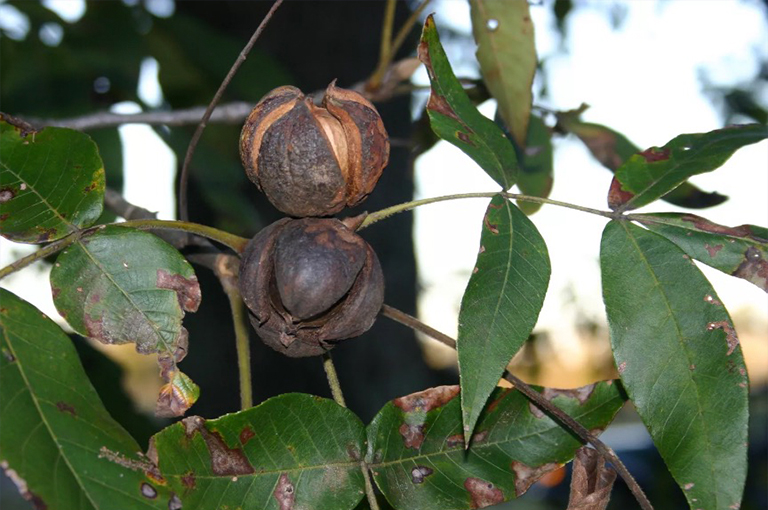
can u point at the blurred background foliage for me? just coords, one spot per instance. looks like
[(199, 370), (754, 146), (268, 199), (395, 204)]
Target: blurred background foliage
[(55, 68)]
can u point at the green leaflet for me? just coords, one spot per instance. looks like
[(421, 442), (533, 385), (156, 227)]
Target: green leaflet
[(680, 361), (56, 435), (292, 451), (501, 303), (455, 119), (51, 183), (417, 455)]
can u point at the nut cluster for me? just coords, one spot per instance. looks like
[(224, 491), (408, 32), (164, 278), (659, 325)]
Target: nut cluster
[(310, 281)]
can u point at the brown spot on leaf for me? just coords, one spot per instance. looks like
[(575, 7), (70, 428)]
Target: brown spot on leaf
[(6, 194), (188, 480), (225, 461), (4, 217), (479, 437), (712, 300), (246, 434), (730, 334), (464, 137), (285, 493), (581, 394), (148, 491), (688, 486), (622, 366), (8, 355), (90, 188), (707, 226), (492, 406), (492, 227), (617, 196), (187, 289), (712, 250), (455, 440), (754, 268), (525, 476), (428, 399), (65, 408), (413, 435), (483, 493), (353, 452), (655, 154), (419, 473)]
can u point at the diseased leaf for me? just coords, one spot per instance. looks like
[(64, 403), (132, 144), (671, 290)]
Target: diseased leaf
[(591, 481), (51, 182), (121, 285), (679, 358), (655, 172), (57, 442), (501, 303), (738, 251), (612, 149), (292, 451), (455, 119), (417, 455), (506, 52)]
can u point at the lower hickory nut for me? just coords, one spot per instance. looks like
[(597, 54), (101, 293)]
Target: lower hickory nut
[(309, 283)]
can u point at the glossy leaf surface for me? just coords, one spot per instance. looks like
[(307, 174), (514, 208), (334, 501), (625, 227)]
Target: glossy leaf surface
[(612, 149), (506, 52), (679, 358), (121, 285), (501, 303), (739, 251), (51, 183), (655, 172), (55, 431), (292, 451), (416, 445), (455, 119)]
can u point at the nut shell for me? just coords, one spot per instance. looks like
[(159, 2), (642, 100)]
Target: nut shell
[(310, 283), (314, 160)]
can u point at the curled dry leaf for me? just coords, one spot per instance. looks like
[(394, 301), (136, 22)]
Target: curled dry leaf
[(591, 482)]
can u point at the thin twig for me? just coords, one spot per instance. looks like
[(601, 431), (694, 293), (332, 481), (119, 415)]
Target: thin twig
[(237, 243), (229, 113), (338, 397), (184, 177), (407, 206), (407, 27), (540, 402), (45, 251), (226, 269), (385, 57), (333, 379)]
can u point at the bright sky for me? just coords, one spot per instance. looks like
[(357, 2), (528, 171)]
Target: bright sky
[(641, 78)]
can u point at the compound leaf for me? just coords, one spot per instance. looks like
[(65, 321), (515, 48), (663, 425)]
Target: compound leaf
[(680, 361), (417, 455), (52, 182), (57, 442), (292, 451)]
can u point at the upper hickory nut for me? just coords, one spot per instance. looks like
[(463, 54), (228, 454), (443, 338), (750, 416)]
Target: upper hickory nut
[(309, 283), (314, 160)]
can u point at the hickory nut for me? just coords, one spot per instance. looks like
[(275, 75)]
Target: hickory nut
[(314, 160), (309, 283)]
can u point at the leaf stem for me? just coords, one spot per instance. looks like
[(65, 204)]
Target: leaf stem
[(226, 268), (338, 397), (540, 402), (43, 252), (407, 206), (237, 243)]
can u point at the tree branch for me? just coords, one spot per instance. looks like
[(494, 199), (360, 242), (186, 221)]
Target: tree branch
[(540, 402)]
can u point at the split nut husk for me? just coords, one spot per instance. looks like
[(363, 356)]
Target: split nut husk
[(314, 160), (309, 283)]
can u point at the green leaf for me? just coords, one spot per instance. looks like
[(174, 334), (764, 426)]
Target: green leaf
[(121, 285), (654, 172), (52, 183), (738, 251), (63, 448), (501, 303), (536, 170), (612, 149), (456, 120), (416, 445), (506, 52), (292, 451), (680, 361)]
